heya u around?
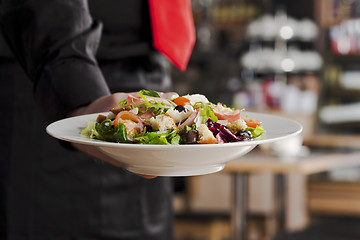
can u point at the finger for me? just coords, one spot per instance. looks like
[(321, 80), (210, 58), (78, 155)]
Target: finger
[(146, 176), (169, 95), (119, 96)]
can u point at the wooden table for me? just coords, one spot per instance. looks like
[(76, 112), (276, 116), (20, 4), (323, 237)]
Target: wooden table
[(257, 161)]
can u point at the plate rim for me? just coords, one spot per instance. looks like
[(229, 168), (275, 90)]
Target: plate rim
[(99, 143)]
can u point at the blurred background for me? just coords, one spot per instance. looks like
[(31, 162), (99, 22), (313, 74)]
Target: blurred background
[(300, 60)]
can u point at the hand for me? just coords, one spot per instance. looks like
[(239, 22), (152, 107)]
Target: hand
[(101, 104), (106, 103)]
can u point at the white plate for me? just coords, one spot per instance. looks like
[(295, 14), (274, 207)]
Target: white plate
[(176, 160)]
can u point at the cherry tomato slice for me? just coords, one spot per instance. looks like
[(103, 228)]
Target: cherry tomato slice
[(250, 122), (131, 121), (125, 115), (181, 101)]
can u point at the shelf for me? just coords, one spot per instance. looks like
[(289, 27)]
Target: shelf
[(344, 93), (342, 59)]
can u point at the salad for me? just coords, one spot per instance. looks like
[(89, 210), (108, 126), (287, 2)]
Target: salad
[(149, 117)]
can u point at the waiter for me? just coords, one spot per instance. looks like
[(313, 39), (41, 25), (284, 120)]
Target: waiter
[(74, 56)]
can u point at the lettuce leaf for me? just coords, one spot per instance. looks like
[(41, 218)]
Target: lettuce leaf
[(148, 93), (90, 130), (256, 132), (206, 111), (120, 133), (156, 107), (105, 131), (169, 137)]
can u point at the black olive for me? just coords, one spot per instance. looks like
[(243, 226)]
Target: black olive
[(180, 108), (149, 128), (192, 136), (189, 137), (244, 135)]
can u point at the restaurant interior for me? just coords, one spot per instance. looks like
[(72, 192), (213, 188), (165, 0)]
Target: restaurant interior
[(295, 59)]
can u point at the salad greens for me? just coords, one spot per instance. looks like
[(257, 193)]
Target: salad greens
[(105, 131), (256, 132), (148, 118), (206, 111), (160, 137), (123, 102), (155, 106), (144, 92)]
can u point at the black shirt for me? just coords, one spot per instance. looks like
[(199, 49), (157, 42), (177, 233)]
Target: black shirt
[(59, 44), (73, 54)]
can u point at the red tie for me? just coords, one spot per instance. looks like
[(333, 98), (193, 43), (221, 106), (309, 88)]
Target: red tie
[(173, 30)]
